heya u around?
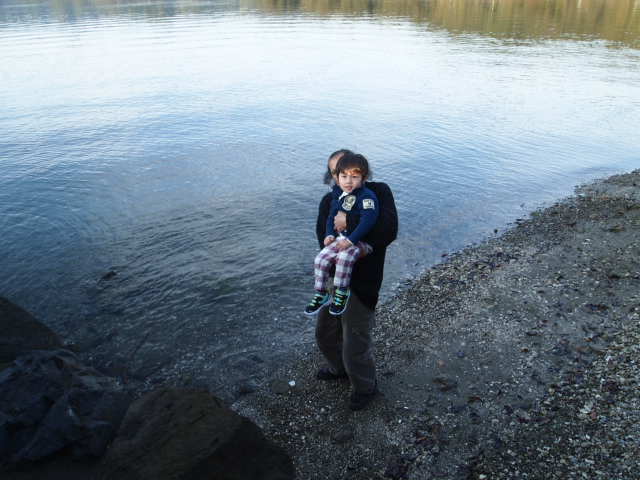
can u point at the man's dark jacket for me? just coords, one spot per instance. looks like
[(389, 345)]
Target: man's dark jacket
[(368, 271)]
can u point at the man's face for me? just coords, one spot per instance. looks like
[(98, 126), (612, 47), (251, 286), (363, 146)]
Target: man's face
[(349, 180)]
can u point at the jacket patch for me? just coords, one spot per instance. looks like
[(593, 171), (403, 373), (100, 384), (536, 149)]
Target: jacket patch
[(368, 203), (349, 202)]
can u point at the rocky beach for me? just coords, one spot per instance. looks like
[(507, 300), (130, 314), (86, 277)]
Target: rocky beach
[(514, 358)]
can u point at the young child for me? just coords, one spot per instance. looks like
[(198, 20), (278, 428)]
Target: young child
[(349, 195)]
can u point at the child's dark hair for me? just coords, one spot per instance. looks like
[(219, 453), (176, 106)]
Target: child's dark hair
[(354, 161), (328, 177)]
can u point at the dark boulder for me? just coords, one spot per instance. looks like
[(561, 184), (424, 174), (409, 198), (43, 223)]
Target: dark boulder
[(52, 403), (20, 332), (190, 434)]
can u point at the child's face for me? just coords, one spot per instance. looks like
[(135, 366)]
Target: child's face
[(349, 180)]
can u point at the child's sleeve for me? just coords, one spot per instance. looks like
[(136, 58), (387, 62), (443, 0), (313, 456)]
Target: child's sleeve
[(369, 212), (385, 231)]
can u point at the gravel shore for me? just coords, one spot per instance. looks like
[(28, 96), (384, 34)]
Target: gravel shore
[(515, 358)]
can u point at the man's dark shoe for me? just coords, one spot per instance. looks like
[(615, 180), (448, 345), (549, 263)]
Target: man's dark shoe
[(326, 374), (358, 401), (339, 302)]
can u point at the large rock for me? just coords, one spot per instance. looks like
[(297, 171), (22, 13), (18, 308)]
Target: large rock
[(189, 434), (20, 332), (52, 403)]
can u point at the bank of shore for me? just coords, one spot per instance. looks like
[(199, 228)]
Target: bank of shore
[(515, 358)]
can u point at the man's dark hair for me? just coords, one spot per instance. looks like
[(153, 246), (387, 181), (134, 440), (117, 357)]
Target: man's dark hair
[(354, 161), (338, 153)]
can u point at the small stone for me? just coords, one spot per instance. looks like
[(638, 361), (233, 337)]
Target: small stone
[(398, 466), (523, 417), (279, 386), (343, 436), (596, 307), (247, 387), (109, 275), (445, 383), (256, 358)]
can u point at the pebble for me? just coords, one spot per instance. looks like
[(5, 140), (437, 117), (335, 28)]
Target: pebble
[(109, 275), (343, 436), (247, 387), (279, 386)]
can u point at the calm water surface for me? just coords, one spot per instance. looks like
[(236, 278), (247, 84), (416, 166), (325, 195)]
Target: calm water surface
[(181, 145)]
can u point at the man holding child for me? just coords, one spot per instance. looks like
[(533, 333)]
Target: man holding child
[(345, 339)]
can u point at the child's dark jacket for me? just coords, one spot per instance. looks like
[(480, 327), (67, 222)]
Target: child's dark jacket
[(366, 279), (362, 204)]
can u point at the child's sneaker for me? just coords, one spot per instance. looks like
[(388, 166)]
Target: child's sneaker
[(317, 302), (340, 300)]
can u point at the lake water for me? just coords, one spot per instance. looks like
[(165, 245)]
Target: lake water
[(181, 145)]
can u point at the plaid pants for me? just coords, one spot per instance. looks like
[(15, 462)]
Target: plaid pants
[(343, 260)]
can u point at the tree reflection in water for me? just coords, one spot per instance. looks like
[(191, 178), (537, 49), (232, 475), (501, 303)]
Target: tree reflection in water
[(616, 21)]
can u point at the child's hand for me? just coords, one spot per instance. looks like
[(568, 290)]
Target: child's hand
[(343, 244), (340, 221), (328, 239)]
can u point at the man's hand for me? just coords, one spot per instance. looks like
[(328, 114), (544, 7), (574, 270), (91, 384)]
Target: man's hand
[(340, 221), (343, 244), (328, 239)]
